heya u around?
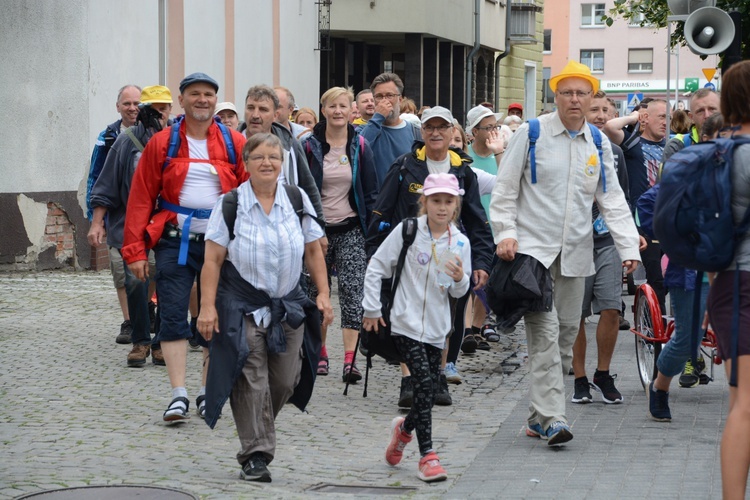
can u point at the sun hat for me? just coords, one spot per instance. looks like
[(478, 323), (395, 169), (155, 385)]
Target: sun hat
[(223, 106), (441, 183), (574, 69), (198, 78), (156, 94), (477, 114), (437, 112)]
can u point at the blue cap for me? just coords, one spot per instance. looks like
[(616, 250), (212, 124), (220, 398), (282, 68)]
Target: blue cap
[(198, 78)]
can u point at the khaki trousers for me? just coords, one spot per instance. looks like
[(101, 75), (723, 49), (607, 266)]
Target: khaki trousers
[(548, 334), (266, 383)]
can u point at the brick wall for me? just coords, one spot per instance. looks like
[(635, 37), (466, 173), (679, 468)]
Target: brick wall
[(61, 232), (100, 257)]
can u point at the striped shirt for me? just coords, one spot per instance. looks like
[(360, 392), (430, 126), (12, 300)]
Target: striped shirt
[(267, 249)]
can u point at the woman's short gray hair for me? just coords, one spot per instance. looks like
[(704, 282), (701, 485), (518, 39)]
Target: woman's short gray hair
[(261, 139)]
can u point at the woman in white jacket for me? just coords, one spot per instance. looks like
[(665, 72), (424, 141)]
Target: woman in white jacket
[(420, 315)]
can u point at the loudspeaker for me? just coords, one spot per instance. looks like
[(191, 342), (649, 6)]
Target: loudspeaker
[(708, 31), (685, 7)]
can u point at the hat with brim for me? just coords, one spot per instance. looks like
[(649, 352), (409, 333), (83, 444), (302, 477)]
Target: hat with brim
[(477, 114), (437, 112), (198, 78), (223, 106), (156, 94), (441, 183), (575, 69)]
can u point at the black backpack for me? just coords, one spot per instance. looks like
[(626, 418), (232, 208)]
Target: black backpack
[(229, 206), (380, 343)]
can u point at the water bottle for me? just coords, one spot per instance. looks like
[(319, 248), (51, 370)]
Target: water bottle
[(444, 280)]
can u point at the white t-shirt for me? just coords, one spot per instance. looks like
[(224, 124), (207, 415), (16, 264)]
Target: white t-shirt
[(202, 186), (439, 167)]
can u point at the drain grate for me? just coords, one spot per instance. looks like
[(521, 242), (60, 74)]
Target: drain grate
[(112, 492), (361, 489)]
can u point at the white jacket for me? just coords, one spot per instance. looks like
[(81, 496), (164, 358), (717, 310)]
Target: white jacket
[(420, 308)]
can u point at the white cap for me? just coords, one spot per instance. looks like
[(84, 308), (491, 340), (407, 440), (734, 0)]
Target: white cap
[(477, 114)]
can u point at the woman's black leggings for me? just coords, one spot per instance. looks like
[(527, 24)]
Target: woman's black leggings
[(423, 361)]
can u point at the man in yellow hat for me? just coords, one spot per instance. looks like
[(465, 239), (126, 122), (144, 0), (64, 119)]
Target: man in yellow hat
[(553, 168), (109, 196)]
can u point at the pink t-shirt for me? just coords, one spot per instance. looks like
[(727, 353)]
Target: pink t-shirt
[(337, 181)]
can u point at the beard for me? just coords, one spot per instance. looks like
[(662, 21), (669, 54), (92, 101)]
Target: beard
[(200, 115)]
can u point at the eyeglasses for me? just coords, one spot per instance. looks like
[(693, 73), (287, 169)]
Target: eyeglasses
[(259, 158), (489, 128), (440, 128), (576, 93), (389, 96)]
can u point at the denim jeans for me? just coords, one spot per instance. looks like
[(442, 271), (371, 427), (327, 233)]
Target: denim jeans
[(173, 286), (137, 293), (676, 352)]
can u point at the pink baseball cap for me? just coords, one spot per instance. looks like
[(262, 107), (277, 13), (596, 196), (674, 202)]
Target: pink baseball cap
[(441, 183)]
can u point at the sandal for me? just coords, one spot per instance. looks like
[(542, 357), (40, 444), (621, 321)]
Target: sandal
[(177, 410), (351, 373), (323, 366), (490, 334), (200, 403)]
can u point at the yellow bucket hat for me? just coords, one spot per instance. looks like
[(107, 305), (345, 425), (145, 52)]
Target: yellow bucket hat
[(577, 70), (156, 93)]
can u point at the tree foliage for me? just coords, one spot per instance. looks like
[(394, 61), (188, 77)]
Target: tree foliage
[(654, 13)]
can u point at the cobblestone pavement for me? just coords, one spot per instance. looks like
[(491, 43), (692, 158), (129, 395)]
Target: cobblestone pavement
[(75, 415)]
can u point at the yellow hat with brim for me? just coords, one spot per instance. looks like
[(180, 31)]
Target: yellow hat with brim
[(155, 94), (574, 69)]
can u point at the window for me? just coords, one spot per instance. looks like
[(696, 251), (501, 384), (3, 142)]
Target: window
[(592, 13), (547, 41), (637, 19), (594, 59), (640, 60)]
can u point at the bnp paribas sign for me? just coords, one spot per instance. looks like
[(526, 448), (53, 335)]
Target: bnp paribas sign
[(645, 85)]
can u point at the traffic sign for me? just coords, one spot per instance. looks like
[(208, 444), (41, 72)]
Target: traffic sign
[(709, 73), (691, 84), (710, 85), (634, 100)]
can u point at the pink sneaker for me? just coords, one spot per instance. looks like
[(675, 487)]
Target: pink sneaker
[(430, 469), (399, 439)]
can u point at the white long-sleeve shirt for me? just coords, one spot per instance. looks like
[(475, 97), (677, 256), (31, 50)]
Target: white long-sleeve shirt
[(553, 216), (420, 307)]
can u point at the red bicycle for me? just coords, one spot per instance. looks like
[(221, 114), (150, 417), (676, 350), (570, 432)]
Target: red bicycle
[(652, 329)]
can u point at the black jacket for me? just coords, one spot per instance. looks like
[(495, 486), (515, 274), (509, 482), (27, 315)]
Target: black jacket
[(517, 287), (235, 298), (398, 200)]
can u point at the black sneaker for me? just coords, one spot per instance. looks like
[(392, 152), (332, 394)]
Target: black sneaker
[(658, 404), (126, 333), (691, 375), (193, 340), (605, 385), (582, 391), (406, 396), (442, 396), (256, 469), (469, 344), (624, 324)]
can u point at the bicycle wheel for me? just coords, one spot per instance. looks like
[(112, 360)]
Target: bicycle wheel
[(647, 351)]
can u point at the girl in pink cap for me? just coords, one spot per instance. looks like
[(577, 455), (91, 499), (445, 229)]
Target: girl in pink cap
[(437, 265)]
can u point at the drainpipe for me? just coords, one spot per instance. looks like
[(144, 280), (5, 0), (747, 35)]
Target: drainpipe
[(470, 57), (502, 56)]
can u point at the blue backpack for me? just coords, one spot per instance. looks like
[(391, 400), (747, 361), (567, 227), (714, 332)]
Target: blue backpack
[(534, 135), (693, 213)]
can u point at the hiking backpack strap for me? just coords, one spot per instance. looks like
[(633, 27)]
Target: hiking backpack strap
[(229, 210), (134, 140), (296, 198), (231, 153), (597, 135), (533, 136), (174, 142)]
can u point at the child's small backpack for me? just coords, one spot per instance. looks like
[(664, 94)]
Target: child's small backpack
[(380, 343), (693, 212)]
